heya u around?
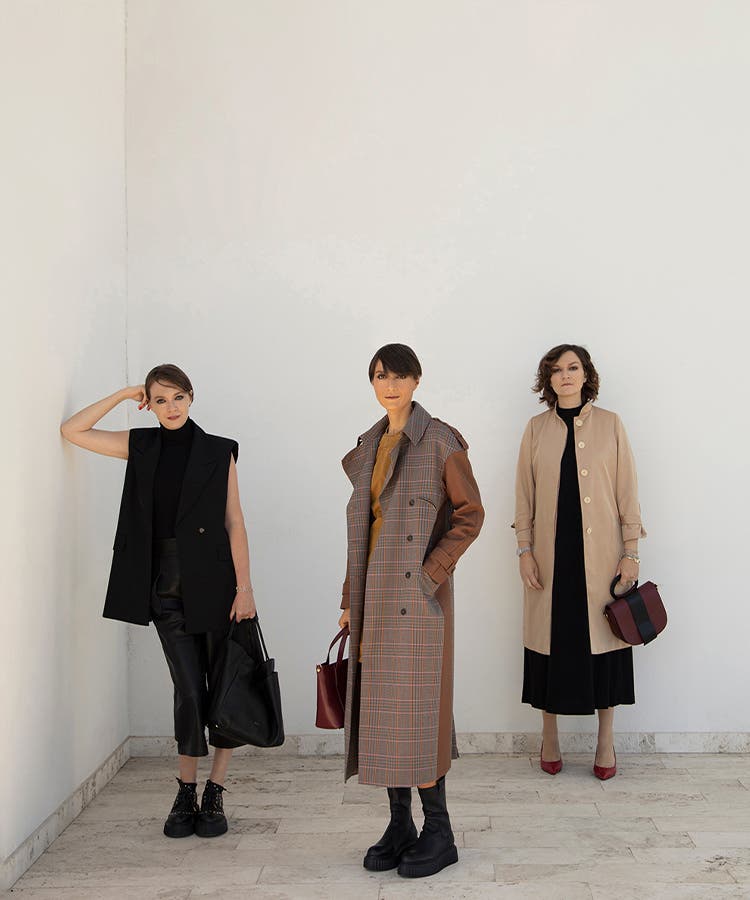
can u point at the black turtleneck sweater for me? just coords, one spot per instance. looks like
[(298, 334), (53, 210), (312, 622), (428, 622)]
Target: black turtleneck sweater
[(170, 472)]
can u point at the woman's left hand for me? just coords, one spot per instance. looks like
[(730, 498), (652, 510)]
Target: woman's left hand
[(243, 606), (628, 572)]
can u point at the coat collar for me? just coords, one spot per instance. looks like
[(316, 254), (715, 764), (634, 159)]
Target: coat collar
[(414, 429), (200, 466), (363, 455), (583, 414)]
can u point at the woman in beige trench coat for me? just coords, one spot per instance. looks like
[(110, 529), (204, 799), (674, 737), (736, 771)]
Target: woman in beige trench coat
[(577, 525), (414, 510)]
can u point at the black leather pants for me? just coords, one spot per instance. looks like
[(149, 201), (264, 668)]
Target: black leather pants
[(194, 660)]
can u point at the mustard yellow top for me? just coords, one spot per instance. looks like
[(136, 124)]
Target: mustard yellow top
[(379, 471)]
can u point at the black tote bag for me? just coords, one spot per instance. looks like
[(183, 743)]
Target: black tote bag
[(246, 705)]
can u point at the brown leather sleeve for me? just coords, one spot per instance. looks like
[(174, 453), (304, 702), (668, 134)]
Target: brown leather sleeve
[(466, 521), (345, 590)]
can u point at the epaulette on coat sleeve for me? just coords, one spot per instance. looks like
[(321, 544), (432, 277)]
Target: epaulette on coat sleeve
[(456, 433)]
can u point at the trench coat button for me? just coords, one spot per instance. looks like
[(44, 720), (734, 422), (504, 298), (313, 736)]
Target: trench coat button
[(408, 575), (579, 422), (584, 471), (588, 531), (409, 537), (587, 499), (581, 444), (201, 531), (411, 503), (403, 610)]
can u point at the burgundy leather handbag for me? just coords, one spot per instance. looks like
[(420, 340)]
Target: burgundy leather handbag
[(638, 615), (332, 685)]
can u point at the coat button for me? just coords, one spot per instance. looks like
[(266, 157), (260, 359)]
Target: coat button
[(581, 444), (587, 499), (411, 503), (588, 531), (584, 472), (408, 575), (201, 531), (579, 422), (409, 537), (403, 610)]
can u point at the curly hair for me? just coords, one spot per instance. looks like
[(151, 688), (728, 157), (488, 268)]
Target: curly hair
[(543, 384)]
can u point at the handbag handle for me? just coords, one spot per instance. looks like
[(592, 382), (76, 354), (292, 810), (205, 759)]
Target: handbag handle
[(344, 633), (252, 622), (615, 582)]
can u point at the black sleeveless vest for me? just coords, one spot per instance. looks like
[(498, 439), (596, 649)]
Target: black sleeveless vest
[(206, 569)]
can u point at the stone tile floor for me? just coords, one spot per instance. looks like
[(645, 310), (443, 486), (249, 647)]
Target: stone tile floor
[(668, 826)]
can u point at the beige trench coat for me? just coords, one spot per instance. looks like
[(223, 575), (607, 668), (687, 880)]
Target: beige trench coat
[(609, 506), (399, 701)]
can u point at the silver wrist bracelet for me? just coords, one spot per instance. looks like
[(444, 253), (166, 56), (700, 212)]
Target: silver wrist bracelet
[(521, 550)]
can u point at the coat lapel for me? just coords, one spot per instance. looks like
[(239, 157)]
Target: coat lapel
[(414, 430), (146, 450), (200, 468)]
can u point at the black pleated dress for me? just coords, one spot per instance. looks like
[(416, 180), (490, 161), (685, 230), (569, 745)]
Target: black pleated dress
[(572, 680)]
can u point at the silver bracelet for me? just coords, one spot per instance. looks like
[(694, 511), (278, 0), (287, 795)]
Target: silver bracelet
[(633, 556), (521, 550), (244, 589)]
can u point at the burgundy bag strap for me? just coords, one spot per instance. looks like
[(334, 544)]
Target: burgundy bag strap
[(344, 633)]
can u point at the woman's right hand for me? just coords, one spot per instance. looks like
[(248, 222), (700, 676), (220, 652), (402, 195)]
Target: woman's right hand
[(136, 392), (344, 619), (529, 571)]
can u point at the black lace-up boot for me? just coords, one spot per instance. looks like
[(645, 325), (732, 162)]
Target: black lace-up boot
[(181, 820), (435, 848), (211, 821), (400, 833)]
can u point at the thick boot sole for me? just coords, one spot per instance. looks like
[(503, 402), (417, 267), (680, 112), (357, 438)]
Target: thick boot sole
[(430, 867), (380, 863), (178, 830), (211, 829)]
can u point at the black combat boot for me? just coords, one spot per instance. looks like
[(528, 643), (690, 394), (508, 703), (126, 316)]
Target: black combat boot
[(400, 834), (181, 820), (435, 848), (211, 821)]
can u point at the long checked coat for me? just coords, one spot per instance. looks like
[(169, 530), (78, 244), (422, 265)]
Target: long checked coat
[(399, 702)]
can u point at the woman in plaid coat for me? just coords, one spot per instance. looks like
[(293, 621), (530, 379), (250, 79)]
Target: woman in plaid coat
[(414, 510)]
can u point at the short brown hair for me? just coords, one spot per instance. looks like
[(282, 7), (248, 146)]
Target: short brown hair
[(396, 358), (543, 385), (167, 373)]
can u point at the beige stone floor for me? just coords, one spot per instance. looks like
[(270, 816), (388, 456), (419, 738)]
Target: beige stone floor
[(668, 826)]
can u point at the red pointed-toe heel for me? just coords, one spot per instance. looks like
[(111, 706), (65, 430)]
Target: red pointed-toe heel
[(604, 773), (551, 768)]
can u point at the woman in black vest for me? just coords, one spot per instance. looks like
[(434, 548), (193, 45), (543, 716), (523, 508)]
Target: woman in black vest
[(180, 559)]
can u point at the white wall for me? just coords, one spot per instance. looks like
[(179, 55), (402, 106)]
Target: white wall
[(63, 689), (310, 180)]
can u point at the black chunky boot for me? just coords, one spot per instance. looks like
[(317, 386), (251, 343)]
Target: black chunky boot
[(435, 848), (211, 821), (181, 820), (400, 834)]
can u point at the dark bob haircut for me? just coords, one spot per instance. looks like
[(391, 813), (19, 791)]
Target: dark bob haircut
[(167, 373), (543, 385), (396, 358)]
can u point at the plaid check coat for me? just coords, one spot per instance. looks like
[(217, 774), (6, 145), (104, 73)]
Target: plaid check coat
[(399, 703)]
